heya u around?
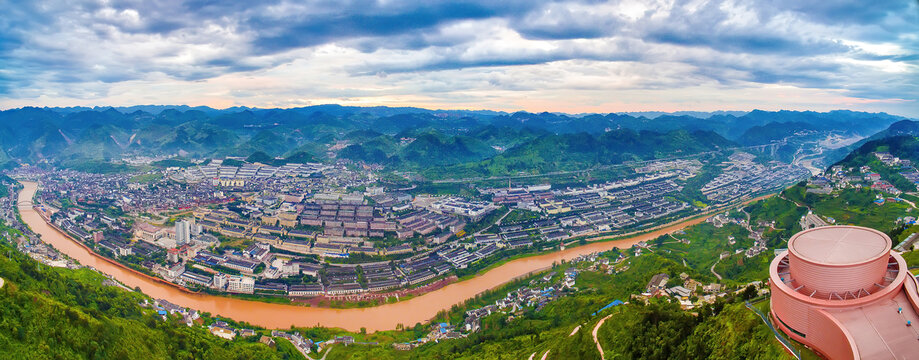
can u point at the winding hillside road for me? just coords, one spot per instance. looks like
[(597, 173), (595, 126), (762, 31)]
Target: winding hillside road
[(594, 333), (575, 331), (713, 269)]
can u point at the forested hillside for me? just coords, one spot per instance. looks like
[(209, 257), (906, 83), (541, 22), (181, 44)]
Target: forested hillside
[(485, 143)]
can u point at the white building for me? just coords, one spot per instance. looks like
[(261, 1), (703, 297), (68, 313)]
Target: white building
[(183, 232), (241, 284), (220, 281), (195, 228)]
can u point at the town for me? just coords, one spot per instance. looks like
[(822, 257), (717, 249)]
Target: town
[(327, 234)]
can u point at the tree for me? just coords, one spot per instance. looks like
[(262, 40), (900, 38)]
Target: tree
[(748, 293)]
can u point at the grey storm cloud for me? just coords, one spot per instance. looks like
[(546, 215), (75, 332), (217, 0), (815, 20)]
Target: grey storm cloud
[(775, 42)]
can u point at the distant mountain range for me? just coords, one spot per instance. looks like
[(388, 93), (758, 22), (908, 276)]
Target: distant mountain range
[(401, 137), (696, 114)]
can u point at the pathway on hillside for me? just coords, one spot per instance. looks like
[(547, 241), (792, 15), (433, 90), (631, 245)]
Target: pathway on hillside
[(783, 197), (597, 329), (575, 331), (1, 283), (713, 268), (908, 202)]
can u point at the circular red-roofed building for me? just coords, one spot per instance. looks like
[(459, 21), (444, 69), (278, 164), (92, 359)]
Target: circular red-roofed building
[(841, 291)]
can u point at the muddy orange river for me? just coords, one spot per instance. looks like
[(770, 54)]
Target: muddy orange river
[(268, 315)]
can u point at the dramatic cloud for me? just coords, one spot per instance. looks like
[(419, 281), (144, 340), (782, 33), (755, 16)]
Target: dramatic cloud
[(513, 54)]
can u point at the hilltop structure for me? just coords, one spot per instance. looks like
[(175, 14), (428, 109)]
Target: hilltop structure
[(841, 291)]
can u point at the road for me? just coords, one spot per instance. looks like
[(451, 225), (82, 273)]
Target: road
[(908, 202), (713, 269), (594, 333), (575, 331), (308, 357), (796, 203), (807, 160), (497, 223)]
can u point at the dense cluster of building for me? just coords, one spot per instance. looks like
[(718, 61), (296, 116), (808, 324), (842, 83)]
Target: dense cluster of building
[(238, 175), (841, 177), (590, 210), (742, 176)]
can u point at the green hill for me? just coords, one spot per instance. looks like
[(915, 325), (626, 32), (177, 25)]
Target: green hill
[(66, 137), (566, 152)]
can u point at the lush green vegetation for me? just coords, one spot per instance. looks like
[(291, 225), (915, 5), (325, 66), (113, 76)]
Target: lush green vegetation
[(5, 183), (574, 152), (662, 331), (852, 207), (147, 178), (708, 173), (659, 330), (706, 243), (771, 132), (233, 162), (458, 143), (99, 167), (463, 156), (520, 215)]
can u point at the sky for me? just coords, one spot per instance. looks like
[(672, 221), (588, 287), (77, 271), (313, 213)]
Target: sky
[(533, 55)]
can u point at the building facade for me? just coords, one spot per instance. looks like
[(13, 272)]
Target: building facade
[(183, 232)]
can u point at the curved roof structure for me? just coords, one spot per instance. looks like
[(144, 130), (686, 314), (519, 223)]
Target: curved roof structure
[(839, 245), (879, 320)]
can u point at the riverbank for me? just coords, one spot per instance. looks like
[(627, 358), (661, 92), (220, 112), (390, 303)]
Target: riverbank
[(623, 238), (63, 233), (418, 309)]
